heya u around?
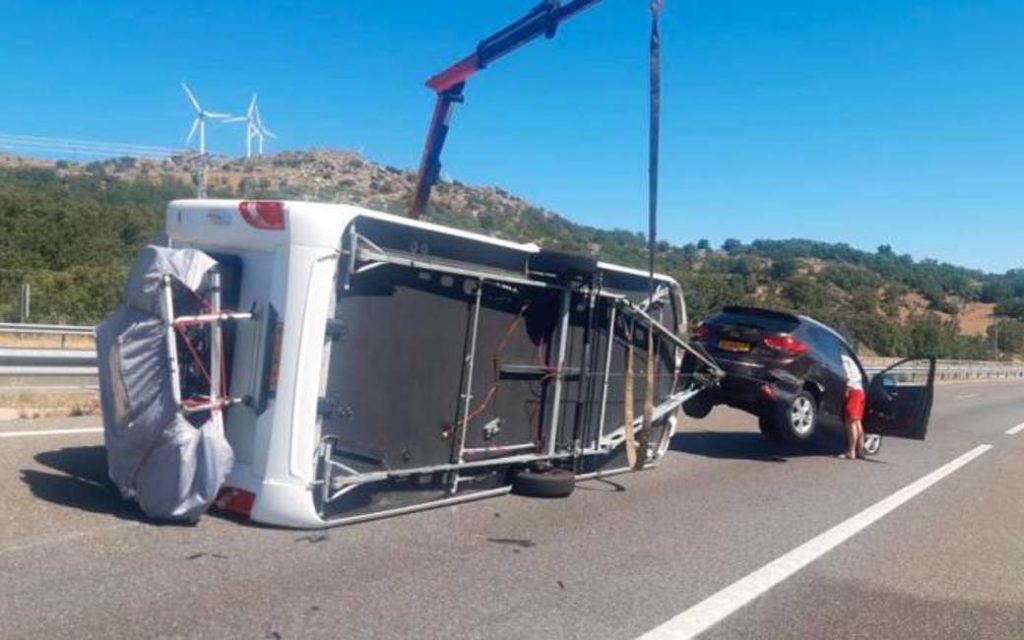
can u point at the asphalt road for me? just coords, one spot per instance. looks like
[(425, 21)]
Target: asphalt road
[(618, 559)]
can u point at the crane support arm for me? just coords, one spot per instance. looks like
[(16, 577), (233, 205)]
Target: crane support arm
[(450, 83)]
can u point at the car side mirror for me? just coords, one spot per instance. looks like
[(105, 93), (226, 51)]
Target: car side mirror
[(889, 383)]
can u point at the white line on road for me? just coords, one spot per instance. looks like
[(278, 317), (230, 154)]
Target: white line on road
[(1012, 431), (704, 615), (51, 432), (966, 396)]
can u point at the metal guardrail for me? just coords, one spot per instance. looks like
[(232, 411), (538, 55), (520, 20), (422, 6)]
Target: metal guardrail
[(47, 329), (949, 370), (61, 331), (82, 362), (48, 362)]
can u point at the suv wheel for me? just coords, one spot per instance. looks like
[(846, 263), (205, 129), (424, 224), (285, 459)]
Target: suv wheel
[(769, 428), (799, 417), (699, 406)]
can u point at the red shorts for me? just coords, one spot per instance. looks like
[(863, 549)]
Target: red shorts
[(854, 404)]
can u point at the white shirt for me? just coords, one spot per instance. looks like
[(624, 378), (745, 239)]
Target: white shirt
[(854, 380)]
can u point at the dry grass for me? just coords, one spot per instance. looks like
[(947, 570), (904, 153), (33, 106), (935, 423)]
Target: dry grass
[(44, 341), (976, 318), (51, 404)]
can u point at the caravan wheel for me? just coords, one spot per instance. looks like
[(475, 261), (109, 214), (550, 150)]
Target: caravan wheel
[(543, 483)]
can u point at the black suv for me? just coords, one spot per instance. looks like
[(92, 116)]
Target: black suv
[(787, 370)]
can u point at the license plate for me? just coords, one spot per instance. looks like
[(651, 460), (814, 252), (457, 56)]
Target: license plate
[(734, 346)]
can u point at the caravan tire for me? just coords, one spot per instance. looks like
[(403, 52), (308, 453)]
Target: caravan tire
[(546, 483)]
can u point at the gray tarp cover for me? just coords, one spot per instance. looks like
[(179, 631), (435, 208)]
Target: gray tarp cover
[(154, 454)]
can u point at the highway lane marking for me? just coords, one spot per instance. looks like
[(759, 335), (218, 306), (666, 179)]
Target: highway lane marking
[(1012, 431), (50, 432), (709, 612), (966, 396)]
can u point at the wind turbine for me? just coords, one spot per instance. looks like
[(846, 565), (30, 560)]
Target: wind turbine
[(253, 127), (202, 115)]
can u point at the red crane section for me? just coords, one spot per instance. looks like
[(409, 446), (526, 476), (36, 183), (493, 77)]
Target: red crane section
[(450, 83)]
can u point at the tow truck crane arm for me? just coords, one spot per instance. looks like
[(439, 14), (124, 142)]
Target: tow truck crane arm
[(450, 83)]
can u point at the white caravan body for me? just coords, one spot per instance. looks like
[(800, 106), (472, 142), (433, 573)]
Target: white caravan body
[(393, 364)]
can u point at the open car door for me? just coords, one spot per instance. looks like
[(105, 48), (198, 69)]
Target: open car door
[(899, 399)]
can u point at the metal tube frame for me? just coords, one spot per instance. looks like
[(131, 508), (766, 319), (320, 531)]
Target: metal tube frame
[(556, 400), (216, 344), (207, 318), (607, 371), (362, 250), (615, 438), (167, 310), (467, 394), (216, 400)]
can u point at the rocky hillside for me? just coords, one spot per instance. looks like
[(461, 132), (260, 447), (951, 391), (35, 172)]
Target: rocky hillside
[(71, 229)]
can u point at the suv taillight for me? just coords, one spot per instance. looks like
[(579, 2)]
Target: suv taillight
[(263, 214), (700, 333), (787, 344)]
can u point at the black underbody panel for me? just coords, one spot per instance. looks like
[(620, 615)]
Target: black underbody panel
[(402, 358)]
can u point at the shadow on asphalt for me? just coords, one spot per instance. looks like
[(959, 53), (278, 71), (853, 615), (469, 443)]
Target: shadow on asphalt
[(747, 445), (81, 484), (601, 484)]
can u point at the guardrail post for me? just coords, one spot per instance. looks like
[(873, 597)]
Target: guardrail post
[(24, 298)]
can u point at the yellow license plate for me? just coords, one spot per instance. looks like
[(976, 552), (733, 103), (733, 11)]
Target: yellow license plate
[(734, 346)]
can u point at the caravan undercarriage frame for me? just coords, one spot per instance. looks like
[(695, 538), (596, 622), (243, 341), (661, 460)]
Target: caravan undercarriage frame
[(571, 385)]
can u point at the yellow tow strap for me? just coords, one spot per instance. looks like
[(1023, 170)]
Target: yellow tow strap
[(645, 431)]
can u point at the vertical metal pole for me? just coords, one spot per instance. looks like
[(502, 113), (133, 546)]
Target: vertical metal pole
[(584, 405), (167, 310), (607, 371), (216, 345), (563, 335), (467, 396), (325, 489), (24, 300), (353, 248)]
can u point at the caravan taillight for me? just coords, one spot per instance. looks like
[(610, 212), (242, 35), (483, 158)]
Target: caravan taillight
[(235, 501), (263, 214)]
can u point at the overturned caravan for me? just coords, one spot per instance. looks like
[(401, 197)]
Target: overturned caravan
[(374, 365)]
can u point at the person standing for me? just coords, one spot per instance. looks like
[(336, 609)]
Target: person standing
[(854, 408)]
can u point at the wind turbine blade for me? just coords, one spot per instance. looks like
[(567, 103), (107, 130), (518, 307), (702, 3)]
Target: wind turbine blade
[(192, 131), (267, 132), (217, 116), (191, 97), (252, 105), (237, 119)]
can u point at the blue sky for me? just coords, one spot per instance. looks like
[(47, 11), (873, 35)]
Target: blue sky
[(880, 121)]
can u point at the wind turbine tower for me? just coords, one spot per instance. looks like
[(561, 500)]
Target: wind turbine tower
[(254, 129), (199, 124)]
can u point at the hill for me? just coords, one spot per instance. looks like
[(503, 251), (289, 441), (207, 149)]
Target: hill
[(72, 229)]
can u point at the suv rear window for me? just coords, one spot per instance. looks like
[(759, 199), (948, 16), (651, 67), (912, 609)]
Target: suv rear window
[(776, 323)]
